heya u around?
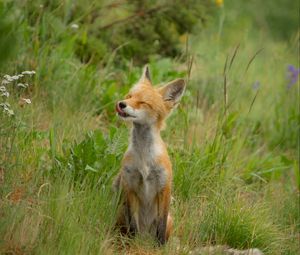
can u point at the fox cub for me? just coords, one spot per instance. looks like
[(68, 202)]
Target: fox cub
[(146, 174)]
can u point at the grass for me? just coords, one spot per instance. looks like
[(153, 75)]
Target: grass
[(236, 175)]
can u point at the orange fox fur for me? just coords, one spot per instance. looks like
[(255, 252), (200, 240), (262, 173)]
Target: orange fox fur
[(145, 178)]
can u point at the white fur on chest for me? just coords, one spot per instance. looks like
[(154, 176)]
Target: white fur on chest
[(147, 186), (144, 157), (143, 173)]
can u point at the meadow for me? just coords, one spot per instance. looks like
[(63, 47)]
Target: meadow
[(233, 140)]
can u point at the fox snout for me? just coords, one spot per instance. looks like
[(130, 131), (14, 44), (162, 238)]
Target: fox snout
[(120, 106)]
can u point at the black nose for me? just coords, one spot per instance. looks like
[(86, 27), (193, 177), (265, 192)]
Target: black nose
[(122, 105)]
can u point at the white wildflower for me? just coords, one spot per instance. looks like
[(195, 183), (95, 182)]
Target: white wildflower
[(27, 100), (6, 108), (5, 94), (74, 26), (28, 72), (15, 77), (21, 85), (8, 78), (10, 112), (5, 105), (5, 82)]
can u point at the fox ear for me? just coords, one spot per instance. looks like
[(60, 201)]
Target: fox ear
[(146, 75), (173, 91)]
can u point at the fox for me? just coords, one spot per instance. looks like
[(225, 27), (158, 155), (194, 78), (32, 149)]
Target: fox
[(145, 177)]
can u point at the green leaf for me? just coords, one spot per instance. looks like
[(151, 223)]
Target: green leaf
[(89, 168)]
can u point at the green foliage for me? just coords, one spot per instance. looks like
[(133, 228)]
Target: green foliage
[(8, 32), (95, 159), (235, 222), (160, 25), (279, 18), (137, 29), (235, 172)]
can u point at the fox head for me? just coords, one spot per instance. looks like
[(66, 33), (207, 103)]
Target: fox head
[(145, 104)]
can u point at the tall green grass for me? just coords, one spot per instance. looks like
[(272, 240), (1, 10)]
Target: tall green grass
[(236, 176)]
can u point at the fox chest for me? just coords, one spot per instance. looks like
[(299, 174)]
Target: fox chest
[(145, 180)]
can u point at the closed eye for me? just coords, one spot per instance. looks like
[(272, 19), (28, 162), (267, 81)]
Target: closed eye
[(145, 103)]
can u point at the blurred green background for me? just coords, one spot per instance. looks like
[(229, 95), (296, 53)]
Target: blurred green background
[(233, 141)]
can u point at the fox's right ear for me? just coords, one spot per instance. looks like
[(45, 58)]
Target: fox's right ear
[(173, 91), (146, 77)]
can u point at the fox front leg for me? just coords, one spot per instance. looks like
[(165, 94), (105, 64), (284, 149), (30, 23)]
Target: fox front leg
[(163, 214), (130, 221), (127, 220), (161, 230), (133, 208)]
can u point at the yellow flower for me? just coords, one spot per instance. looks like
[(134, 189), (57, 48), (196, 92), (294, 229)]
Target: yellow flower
[(183, 38), (219, 3)]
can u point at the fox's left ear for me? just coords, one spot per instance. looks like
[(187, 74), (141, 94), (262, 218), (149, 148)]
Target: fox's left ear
[(146, 75), (173, 91)]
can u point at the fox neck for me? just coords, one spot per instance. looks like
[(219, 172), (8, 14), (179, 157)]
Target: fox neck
[(146, 141)]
